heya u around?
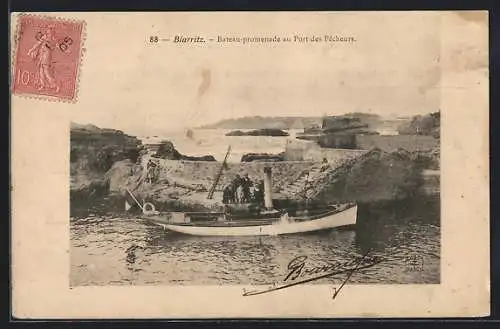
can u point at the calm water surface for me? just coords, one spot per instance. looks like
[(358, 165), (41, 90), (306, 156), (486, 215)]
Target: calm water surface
[(407, 233), (215, 142)]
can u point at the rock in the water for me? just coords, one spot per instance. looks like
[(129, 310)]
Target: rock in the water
[(259, 132), (167, 151), (236, 133), (428, 124), (263, 157), (200, 158)]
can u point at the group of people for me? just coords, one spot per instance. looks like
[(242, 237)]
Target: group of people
[(243, 190)]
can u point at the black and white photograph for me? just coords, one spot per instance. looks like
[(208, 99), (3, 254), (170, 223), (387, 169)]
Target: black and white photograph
[(247, 195), (269, 172)]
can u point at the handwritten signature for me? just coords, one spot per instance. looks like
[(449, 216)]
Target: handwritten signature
[(299, 273)]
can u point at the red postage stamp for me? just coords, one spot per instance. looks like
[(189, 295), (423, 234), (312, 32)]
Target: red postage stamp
[(47, 57)]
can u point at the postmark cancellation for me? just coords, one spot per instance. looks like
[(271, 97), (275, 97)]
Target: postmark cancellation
[(47, 57)]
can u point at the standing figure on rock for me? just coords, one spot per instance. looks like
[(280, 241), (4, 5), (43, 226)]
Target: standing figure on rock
[(152, 172), (148, 172), (156, 173)]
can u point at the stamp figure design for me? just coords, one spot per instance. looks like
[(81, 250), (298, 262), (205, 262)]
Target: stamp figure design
[(47, 57)]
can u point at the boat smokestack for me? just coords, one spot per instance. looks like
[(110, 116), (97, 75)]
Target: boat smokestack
[(268, 188)]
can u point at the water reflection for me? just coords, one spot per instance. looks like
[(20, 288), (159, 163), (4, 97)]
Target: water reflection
[(102, 250)]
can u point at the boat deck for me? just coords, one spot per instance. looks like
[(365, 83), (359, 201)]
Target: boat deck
[(219, 219), (230, 223)]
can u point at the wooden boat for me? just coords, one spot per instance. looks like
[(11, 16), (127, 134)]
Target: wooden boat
[(266, 223)]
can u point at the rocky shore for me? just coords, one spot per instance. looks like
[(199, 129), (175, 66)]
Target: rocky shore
[(93, 152), (106, 162)]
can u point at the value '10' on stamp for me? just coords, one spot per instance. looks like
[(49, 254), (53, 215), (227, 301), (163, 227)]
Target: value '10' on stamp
[(47, 57)]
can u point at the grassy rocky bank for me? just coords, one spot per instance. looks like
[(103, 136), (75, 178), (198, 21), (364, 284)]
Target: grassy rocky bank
[(106, 162)]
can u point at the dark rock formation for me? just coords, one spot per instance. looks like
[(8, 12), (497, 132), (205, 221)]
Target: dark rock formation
[(427, 159), (375, 176), (97, 149), (93, 151), (428, 124), (236, 133), (249, 157), (339, 141), (338, 132), (200, 158), (370, 119), (259, 132), (167, 151), (341, 123)]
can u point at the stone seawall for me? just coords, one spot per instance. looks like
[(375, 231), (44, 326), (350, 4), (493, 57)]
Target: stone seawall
[(306, 151), (393, 143), (335, 157), (310, 151), (204, 173), (183, 185)]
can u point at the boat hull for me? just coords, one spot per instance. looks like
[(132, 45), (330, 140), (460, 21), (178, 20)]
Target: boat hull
[(346, 217)]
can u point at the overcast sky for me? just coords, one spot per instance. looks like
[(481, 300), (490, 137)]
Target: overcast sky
[(129, 84)]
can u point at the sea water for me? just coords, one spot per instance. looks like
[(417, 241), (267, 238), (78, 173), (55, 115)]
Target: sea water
[(125, 250), (215, 142)]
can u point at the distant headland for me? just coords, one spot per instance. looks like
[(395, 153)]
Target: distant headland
[(285, 122), (259, 132)]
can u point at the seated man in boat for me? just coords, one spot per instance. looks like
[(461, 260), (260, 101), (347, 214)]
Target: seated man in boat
[(246, 183), (227, 194), (259, 192), (236, 183), (252, 193)]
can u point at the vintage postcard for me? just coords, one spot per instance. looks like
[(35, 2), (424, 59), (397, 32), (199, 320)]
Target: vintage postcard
[(250, 164)]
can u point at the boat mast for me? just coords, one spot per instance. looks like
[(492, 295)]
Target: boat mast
[(219, 175), (268, 188)]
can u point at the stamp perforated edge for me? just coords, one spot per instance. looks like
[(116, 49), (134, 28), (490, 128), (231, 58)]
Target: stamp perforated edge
[(15, 49)]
